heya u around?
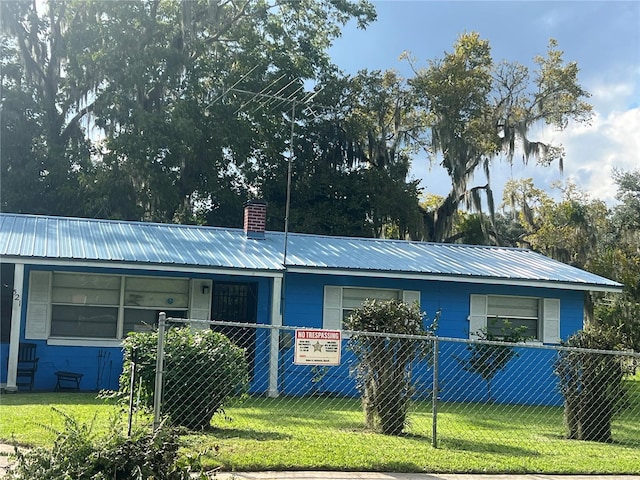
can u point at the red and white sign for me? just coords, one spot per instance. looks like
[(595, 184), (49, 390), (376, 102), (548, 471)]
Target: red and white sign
[(318, 347)]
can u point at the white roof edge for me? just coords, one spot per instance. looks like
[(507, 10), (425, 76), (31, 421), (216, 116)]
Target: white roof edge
[(149, 266), (588, 287)]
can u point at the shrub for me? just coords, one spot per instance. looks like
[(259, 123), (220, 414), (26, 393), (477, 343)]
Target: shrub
[(487, 359), (80, 455), (202, 370), (591, 383), (384, 363)]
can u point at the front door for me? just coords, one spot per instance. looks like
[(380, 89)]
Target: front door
[(237, 302)]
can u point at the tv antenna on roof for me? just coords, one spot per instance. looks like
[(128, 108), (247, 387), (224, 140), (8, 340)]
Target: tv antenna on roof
[(273, 96)]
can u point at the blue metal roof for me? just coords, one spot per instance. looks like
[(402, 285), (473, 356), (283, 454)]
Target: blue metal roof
[(62, 238), (99, 241)]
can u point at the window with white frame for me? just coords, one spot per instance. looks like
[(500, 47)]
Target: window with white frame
[(145, 297), (540, 317), (339, 302), (84, 305), (520, 313), (102, 307)]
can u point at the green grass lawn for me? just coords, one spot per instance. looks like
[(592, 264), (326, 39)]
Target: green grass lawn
[(31, 418), (328, 433), (297, 434)]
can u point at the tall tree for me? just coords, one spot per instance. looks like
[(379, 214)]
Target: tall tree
[(385, 122), (570, 230), (480, 110), (585, 233), (618, 258), (351, 159), (149, 77), (52, 154)]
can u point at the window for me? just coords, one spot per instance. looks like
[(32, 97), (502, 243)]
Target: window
[(145, 298), (98, 307), (339, 302), (84, 321), (540, 316), (518, 311), (85, 305)]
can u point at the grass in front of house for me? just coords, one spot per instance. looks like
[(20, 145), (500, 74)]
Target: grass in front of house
[(328, 433), (319, 434), (32, 419)]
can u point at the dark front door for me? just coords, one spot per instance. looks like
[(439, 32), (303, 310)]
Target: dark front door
[(237, 302)]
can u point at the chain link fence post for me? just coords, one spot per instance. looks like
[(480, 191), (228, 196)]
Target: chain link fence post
[(157, 395), (434, 395)]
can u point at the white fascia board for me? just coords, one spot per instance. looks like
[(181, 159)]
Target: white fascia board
[(150, 266), (464, 279)]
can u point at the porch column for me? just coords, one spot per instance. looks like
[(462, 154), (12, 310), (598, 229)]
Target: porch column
[(274, 346), (16, 317)]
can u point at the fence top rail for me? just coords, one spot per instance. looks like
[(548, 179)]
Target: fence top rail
[(350, 333)]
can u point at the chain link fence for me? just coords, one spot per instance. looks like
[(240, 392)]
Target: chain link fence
[(446, 392)]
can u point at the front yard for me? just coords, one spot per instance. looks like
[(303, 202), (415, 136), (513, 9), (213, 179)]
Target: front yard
[(328, 433)]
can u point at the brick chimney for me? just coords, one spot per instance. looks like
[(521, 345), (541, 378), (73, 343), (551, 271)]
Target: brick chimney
[(255, 218)]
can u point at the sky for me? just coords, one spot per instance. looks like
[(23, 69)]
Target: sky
[(603, 37)]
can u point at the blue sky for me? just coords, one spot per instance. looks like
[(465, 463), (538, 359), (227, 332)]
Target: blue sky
[(603, 37)]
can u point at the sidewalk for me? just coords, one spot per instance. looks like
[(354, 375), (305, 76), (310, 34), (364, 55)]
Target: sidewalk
[(407, 476)]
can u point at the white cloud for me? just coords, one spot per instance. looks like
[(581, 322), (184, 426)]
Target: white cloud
[(616, 88), (592, 152)]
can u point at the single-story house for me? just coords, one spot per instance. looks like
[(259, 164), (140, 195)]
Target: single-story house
[(75, 287)]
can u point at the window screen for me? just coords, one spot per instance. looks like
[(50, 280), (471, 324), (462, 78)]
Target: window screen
[(518, 311)]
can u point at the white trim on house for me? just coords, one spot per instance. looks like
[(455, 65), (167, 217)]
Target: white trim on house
[(84, 342), (459, 279), (274, 346), (200, 301), (548, 316), (333, 302), (164, 267), (39, 306), (16, 320)]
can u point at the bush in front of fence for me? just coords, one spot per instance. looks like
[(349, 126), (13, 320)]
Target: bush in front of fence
[(202, 370), (592, 382), (383, 368), (80, 453)]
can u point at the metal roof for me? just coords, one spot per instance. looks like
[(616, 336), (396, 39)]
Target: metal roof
[(62, 238), (153, 244)]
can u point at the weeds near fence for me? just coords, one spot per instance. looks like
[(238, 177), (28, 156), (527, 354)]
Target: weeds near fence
[(80, 452)]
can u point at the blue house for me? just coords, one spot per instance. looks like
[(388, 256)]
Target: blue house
[(75, 287)]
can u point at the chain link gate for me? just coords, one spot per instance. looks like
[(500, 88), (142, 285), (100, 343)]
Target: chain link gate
[(458, 391)]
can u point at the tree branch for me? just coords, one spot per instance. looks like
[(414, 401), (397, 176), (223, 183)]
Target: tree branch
[(66, 133)]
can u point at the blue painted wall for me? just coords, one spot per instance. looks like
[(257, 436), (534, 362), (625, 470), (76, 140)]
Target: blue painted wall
[(101, 366), (527, 379), (303, 308)]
